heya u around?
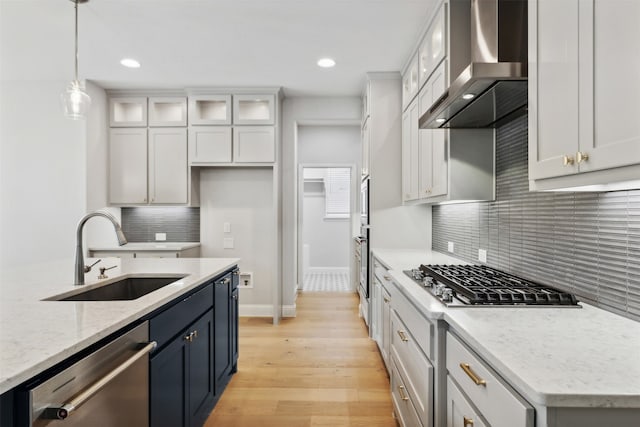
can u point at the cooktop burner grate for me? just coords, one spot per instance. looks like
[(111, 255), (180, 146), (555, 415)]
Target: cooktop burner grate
[(482, 285)]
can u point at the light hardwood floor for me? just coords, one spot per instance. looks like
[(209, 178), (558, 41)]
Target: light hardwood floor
[(318, 369)]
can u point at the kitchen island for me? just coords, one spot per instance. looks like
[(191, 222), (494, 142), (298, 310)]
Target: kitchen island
[(37, 334), (570, 366)]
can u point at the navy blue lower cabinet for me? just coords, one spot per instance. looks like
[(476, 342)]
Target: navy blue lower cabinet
[(233, 321), (168, 382), (182, 384), (197, 354), (221, 307)]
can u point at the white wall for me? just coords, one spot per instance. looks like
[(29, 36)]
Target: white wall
[(327, 240), (42, 174), (329, 144), (303, 111), (98, 232), (242, 197)]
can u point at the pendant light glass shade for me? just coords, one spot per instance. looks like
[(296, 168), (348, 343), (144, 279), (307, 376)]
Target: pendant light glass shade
[(75, 101)]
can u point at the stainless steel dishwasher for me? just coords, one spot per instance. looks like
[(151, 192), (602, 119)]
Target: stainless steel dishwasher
[(109, 387)]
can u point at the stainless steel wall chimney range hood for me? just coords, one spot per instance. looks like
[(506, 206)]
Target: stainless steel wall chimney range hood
[(487, 66)]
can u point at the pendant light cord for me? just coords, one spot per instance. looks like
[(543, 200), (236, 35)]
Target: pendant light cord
[(76, 35)]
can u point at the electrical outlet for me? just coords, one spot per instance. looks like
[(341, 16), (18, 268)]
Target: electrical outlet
[(246, 279), (450, 246), (482, 255), (227, 227), (161, 237), (227, 243)]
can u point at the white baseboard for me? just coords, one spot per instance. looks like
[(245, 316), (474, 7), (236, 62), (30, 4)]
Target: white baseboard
[(289, 310), (255, 310), (328, 269), (264, 310)]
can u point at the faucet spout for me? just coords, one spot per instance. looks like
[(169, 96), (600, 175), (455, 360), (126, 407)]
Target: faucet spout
[(80, 268)]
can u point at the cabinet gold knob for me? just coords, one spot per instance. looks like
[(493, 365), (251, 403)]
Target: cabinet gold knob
[(387, 300), (567, 160), (467, 422), (582, 157)]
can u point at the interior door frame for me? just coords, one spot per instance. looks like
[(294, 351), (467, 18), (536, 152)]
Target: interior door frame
[(353, 206)]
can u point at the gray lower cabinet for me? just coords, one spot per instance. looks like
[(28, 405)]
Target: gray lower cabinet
[(196, 355)]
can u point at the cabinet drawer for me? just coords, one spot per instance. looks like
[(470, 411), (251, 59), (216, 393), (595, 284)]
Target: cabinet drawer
[(405, 411), (421, 328), (381, 273), (167, 324), (415, 369), (459, 411), (495, 400)]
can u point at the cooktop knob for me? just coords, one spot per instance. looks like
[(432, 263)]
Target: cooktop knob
[(447, 295), (439, 288)]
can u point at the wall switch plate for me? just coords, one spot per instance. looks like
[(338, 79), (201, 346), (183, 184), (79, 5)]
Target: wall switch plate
[(227, 227), (227, 243), (450, 246), (482, 255), (161, 237)]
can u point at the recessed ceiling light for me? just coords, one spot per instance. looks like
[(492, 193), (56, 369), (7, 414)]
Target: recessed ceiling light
[(130, 63), (468, 96), (326, 63), (440, 120)]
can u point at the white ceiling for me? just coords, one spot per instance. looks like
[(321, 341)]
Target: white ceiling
[(205, 43)]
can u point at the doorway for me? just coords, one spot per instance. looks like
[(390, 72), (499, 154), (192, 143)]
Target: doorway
[(325, 232)]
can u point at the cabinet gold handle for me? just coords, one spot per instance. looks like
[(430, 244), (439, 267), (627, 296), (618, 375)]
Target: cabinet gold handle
[(402, 394), (387, 277), (403, 336), (195, 333), (387, 300), (467, 370), (467, 422), (567, 160), (581, 157), (188, 337)]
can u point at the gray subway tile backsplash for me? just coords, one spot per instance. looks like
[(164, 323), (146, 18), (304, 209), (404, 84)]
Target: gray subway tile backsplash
[(585, 243), (181, 224)]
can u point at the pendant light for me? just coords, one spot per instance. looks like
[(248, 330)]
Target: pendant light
[(75, 101)]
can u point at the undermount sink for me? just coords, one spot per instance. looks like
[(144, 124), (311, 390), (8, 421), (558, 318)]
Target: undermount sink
[(129, 288)]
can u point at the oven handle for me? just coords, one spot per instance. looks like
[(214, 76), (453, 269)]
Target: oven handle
[(65, 410)]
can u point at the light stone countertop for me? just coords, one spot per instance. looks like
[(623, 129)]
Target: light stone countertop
[(555, 357), (148, 246), (36, 335)]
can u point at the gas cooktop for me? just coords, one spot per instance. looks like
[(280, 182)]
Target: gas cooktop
[(479, 285)]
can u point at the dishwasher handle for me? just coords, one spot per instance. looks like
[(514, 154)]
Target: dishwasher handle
[(66, 409)]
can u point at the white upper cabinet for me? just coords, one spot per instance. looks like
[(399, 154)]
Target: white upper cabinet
[(410, 82), (128, 112), (210, 110), (253, 109), (167, 112), (611, 92), (410, 153), (584, 92), (210, 144), (433, 48), (433, 142), (128, 166), (254, 144), (168, 169)]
